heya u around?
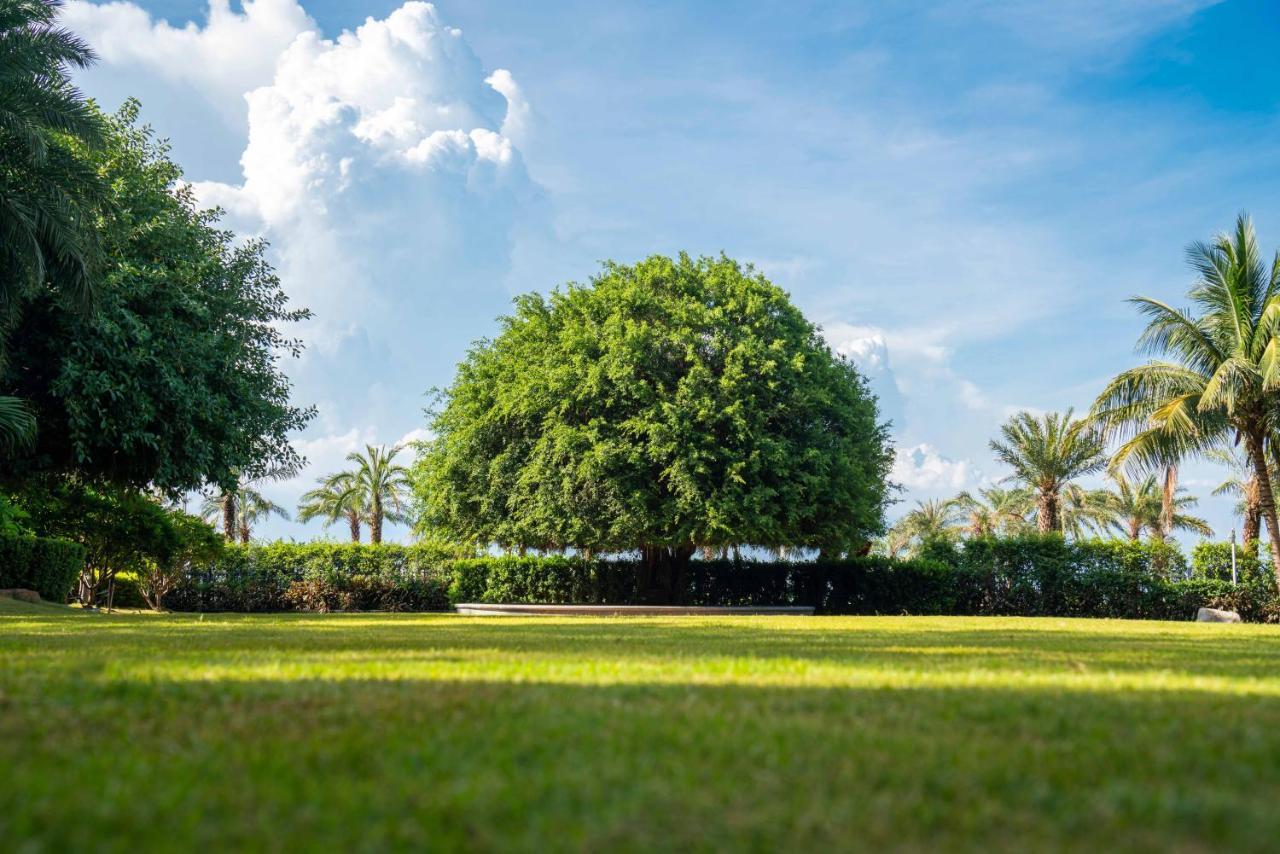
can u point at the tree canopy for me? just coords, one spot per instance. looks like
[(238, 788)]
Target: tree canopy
[(673, 404), (173, 380)]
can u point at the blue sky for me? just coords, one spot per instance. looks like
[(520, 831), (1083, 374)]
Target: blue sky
[(961, 193)]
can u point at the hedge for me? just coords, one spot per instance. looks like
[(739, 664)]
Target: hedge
[(318, 577), (1030, 576), (48, 566)]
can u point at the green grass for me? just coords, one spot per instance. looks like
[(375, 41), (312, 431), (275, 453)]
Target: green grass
[(364, 732)]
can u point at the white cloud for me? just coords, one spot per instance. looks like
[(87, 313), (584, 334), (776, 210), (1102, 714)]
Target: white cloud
[(231, 54), (382, 165), (922, 467)]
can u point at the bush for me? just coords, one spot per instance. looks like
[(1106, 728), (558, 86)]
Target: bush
[(317, 577), (1213, 561), (48, 566)]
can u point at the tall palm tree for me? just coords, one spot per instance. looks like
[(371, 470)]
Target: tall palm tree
[(1218, 381), (337, 496), (239, 511), (47, 193), (1046, 454), (994, 511), (384, 485), (1242, 484)]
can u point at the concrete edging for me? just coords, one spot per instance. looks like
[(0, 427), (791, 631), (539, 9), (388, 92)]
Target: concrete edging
[(482, 609)]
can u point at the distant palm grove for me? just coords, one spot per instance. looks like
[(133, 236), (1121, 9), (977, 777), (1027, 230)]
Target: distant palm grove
[(666, 412)]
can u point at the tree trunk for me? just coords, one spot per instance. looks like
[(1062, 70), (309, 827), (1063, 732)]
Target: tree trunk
[(1047, 512), (666, 574), (1255, 443), (1252, 517), (229, 516), (1135, 529), (244, 534), (375, 520), (1166, 500), (353, 521)]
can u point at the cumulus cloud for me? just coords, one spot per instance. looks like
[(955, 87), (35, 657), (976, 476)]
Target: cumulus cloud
[(231, 54), (922, 467), (869, 351), (382, 165)]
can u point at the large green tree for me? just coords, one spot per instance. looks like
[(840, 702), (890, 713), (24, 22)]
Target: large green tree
[(174, 380), (1218, 381), (674, 404)]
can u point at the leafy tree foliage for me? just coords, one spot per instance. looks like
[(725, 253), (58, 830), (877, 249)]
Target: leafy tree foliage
[(190, 543), (174, 380), (664, 406), (120, 529)]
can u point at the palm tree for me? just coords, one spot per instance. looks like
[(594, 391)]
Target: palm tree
[(384, 486), (46, 192), (1242, 484), (1222, 369), (1141, 507), (932, 519), (1046, 454), (337, 496), (1083, 512), (239, 511), (994, 511), (255, 507)]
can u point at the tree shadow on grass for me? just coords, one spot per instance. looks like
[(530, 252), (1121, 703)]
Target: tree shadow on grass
[(485, 765)]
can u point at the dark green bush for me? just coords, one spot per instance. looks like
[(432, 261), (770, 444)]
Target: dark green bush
[(318, 576), (48, 566)]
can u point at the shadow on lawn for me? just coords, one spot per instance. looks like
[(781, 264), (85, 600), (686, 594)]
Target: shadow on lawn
[(499, 765)]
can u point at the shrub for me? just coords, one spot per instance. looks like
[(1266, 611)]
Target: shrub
[(317, 576), (1213, 560), (48, 566)]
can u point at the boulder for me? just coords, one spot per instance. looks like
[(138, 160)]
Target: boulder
[(21, 594), (1216, 615)]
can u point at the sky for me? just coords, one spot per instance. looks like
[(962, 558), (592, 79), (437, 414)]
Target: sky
[(961, 194)]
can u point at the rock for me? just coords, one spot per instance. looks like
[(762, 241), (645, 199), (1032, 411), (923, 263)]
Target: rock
[(22, 595), (1216, 615)]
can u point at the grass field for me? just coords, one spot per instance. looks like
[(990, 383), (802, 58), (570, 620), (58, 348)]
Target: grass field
[(363, 732)]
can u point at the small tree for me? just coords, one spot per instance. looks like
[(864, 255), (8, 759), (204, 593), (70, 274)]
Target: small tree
[(665, 406), (192, 542)]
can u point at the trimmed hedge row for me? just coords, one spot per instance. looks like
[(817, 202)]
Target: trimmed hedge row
[(318, 577), (48, 566), (1031, 576)]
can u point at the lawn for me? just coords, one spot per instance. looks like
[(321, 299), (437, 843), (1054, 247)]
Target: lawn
[(360, 731)]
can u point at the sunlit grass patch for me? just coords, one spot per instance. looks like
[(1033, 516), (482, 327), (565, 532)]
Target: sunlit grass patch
[(366, 731)]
